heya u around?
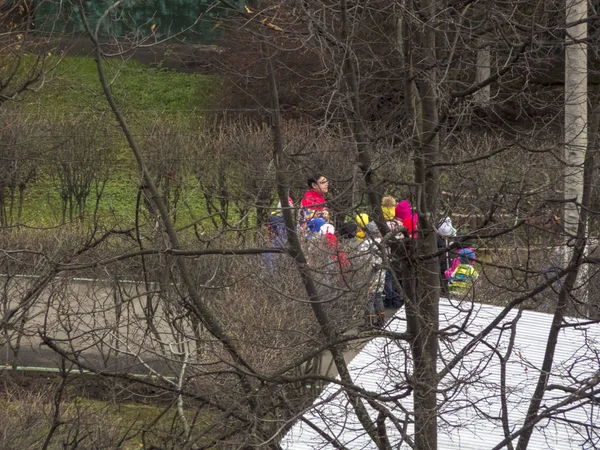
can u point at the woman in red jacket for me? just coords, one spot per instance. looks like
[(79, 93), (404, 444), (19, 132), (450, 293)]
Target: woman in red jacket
[(313, 206)]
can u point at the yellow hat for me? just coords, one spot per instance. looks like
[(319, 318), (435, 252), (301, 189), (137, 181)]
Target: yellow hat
[(362, 221)]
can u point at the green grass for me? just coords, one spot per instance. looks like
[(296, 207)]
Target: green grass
[(73, 88), (145, 94), (135, 417), (43, 207)]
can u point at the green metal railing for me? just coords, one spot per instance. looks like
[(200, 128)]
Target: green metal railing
[(139, 18)]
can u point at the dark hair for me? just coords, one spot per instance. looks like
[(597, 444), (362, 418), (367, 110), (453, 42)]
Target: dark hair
[(313, 178), (348, 230)]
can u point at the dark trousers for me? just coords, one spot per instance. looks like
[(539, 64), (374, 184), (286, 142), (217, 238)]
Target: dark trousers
[(393, 298), (444, 283)]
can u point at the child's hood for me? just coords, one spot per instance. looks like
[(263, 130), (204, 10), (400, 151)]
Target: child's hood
[(403, 210), (389, 212), (467, 256)]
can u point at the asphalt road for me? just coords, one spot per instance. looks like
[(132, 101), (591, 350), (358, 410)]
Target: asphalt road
[(85, 314)]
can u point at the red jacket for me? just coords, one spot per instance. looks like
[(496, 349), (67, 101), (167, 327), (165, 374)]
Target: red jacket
[(314, 200), (312, 206)]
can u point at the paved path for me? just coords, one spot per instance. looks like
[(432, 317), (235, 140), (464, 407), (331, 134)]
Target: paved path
[(327, 367), (89, 318)]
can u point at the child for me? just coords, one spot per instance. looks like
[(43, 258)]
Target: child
[(407, 218), (464, 274), (313, 227), (277, 231), (339, 257), (362, 220), (444, 232), (348, 230), (393, 299), (374, 314), (388, 207)]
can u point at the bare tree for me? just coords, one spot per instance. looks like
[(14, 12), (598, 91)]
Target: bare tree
[(22, 151), (395, 110), (82, 167), (441, 101), (168, 151), (25, 54)]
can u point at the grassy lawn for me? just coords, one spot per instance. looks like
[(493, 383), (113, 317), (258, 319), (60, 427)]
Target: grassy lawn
[(74, 88), (134, 418), (146, 95), (43, 207)]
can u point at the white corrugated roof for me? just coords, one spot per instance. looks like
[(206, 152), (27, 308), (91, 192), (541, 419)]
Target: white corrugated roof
[(470, 412)]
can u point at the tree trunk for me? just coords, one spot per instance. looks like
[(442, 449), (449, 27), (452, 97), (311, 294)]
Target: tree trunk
[(482, 96), (412, 101), (576, 97), (425, 344)]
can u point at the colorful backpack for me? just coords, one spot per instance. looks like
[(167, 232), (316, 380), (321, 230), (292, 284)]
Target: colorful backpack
[(462, 279)]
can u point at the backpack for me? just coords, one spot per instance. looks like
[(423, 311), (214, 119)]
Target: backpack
[(462, 279)]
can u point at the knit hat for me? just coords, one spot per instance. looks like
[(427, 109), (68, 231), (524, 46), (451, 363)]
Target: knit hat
[(403, 210), (362, 221), (446, 229), (388, 201), (467, 256)]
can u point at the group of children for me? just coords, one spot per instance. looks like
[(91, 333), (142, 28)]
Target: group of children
[(456, 279), (314, 223)]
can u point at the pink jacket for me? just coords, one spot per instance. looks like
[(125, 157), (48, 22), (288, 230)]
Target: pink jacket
[(448, 273)]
